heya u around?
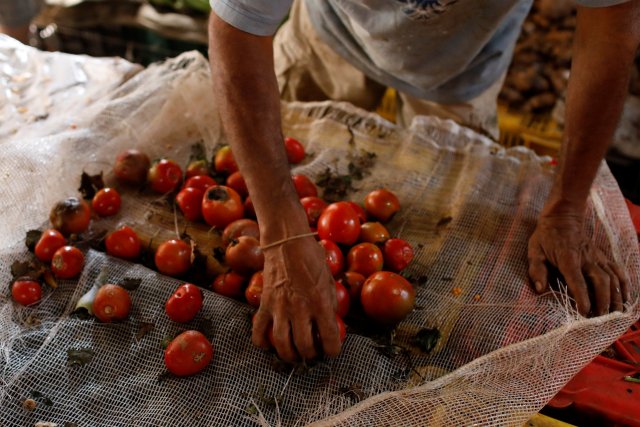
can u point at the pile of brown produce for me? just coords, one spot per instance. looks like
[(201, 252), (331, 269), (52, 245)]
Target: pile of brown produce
[(539, 72)]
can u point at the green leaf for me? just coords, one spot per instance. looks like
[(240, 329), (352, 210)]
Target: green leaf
[(426, 339)]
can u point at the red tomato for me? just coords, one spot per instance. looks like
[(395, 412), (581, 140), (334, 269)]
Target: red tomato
[(304, 186), (70, 216), (381, 204), (295, 150), (200, 181), (165, 176), (244, 255), (342, 296), (67, 262), (197, 168), (229, 284), (240, 227), (50, 241), (173, 257), (398, 254), (190, 202), (131, 167), (373, 232), (26, 291), (188, 353), (221, 206), (339, 223), (249, 210), (387, 297), (365, 258), (184, 304), (342, 329), (334, 257), (123, 243), (359, 210), (224, 161), (106, 202), (236, 181), (112, 302), (353, 282), (313, 207), (253, 293)]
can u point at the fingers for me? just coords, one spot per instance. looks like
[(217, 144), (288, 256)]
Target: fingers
[(282, 339), (261, 323), (538, 270), (303, 338), (616, 294), (601, 285), (329, 336), (623, 280), (569, 266)]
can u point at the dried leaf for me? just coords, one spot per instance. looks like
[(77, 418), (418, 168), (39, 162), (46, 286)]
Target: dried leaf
[(90, 185), (143, 329), (198, 151), (19, 269), (444, 221), (49, 279), (218, 253), (130, 283), (353, 391), (68, 424), (426, 339), (32, 238), (79, 357)]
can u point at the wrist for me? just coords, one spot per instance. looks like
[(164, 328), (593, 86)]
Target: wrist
[(282, 221)]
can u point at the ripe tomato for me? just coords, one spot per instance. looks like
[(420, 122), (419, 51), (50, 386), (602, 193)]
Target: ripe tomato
[(229, 284), (224, 161), (165, 176), (334, 257), (381, 204), (197, 168), (373, 232), (387, 297), (339, 223), (342, 296), (50, 241), (67, 262), (244, 255), (183, 305), (353, 282), (313, 207), (131, 167), (112, 302), (249, 210), (106, 202), (240, 227), (253, 293), (365, 258), (188, 353), (70, 216), (304, 186), (190, 202), (173, 257), (295, 150), (359, 210), (221, 206), (123, 243), (200, 181), (398, 254), (26, 291), (236, 181)]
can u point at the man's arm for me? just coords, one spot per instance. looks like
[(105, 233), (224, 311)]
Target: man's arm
[(299, 292), (604, 48)]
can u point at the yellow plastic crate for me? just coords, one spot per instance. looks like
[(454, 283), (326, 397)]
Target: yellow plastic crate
[(537, 132)]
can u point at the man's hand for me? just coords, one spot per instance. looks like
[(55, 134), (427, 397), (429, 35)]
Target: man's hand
[(299, 300), (560, 241)]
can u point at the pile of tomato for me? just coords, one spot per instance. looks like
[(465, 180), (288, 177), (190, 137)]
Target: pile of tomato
[(363, 258)]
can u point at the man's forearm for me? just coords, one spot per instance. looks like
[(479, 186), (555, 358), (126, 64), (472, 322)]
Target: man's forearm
[(604, 48), (248, 98)]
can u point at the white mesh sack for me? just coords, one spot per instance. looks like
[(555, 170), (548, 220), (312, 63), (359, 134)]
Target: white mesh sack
[(468, 207)]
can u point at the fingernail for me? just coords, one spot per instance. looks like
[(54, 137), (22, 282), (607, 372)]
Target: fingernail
[(538, 287)]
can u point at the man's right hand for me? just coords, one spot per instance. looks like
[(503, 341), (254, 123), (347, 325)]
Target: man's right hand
[(298, 301)]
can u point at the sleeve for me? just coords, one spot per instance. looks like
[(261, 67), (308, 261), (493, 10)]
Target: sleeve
[(17, 13), (258, 17), (600, 3)]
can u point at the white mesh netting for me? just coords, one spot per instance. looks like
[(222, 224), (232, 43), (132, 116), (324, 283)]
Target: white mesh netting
[(500, 358)]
